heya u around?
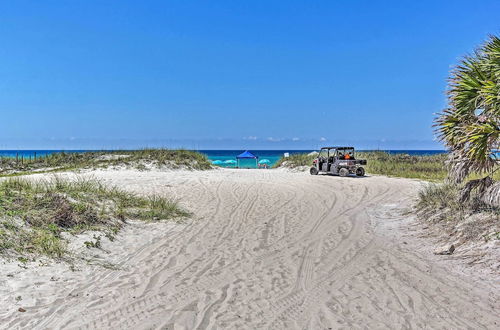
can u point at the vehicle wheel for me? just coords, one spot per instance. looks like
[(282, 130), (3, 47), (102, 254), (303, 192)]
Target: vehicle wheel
[(343, 172), (313, 171), (360, 171)]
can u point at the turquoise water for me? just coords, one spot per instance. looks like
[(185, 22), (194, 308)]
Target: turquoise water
[(224, 155), (274, 155)]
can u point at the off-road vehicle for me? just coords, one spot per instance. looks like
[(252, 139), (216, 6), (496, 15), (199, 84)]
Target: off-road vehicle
[(338, 161)]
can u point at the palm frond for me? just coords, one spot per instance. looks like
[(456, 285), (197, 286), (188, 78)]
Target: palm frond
[(469, 127)]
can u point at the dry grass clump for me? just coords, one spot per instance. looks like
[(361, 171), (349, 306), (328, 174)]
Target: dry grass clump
[(470, 219), (140, 159), (439, 196), (34, 214)]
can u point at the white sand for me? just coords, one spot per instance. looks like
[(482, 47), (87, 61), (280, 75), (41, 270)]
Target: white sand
[(266, 249)]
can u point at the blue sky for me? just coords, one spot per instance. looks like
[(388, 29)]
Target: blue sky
[(230, 74)]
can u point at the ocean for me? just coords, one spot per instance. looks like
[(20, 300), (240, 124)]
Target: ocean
[(224, 157), (274, 155)]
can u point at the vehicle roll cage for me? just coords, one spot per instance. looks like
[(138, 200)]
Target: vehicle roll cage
[(336, 151)]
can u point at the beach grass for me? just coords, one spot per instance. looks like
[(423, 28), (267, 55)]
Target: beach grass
[(34, 214), (472, 219), (295, 160), (139, 159), (425, 167)]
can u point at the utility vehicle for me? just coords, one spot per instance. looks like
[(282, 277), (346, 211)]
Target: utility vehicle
[(338, 161)]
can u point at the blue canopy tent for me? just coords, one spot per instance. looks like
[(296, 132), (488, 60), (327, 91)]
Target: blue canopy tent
[(247, 155)]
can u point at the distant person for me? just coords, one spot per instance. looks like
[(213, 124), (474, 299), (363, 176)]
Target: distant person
[(347, 157)]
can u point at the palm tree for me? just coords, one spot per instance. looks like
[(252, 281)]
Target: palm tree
[(469, 127)]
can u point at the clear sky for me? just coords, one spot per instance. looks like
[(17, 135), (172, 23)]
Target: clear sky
[(230, 74)]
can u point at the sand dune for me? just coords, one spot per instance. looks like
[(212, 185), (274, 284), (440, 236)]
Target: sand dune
[(267, 249)]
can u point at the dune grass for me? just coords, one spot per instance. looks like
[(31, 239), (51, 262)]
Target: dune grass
[(294, 160), (138, 159), (430, 168), (471, 219), (439, 196), (426, 167), (34, 214)]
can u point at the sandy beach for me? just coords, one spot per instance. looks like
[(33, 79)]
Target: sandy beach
[(264, 249)]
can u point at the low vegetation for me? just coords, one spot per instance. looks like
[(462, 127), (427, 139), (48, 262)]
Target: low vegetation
[(465, 218), (295, 161), (35, 215), (425, 167), (428, 167), (139, 159)]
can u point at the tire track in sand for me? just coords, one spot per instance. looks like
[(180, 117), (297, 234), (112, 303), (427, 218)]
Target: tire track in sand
[(320, 248)]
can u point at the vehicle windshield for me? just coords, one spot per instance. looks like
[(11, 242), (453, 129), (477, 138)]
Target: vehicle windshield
[(323, 153)]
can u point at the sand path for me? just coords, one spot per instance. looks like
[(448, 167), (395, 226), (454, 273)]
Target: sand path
[(271, 250)]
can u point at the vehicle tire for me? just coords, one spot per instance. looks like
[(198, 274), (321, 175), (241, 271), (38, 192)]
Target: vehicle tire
[(343, 172), (360, 171), (313, 171)]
